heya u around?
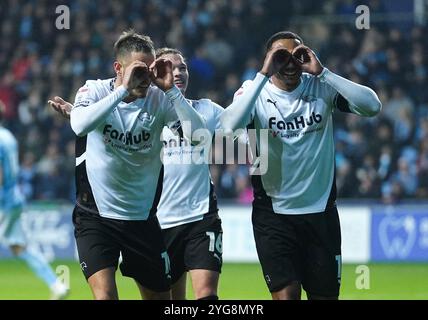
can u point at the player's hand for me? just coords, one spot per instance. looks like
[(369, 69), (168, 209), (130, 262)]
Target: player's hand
[(61, 106), (135, 74), (275, 59), (307, 59), (161, 73)]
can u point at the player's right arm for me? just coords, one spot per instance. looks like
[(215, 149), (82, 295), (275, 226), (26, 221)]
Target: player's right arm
[(360, 100), (238, 114), (61, 106), (87, 114)]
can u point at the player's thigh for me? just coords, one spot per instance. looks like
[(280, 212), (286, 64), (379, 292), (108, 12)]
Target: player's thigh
[(322, 263), (175, 241), (144, 255), (277, 248), (11, 229), (97, 241), (204, 244)]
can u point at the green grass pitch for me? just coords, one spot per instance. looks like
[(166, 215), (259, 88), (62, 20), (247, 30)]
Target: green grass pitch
[(238, 281)]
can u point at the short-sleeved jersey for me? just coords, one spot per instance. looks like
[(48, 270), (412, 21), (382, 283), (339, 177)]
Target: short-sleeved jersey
[(301, 168), (187, 192), (9, 163), (118, 164)]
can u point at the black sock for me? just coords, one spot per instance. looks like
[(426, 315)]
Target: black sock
[(212, 297)]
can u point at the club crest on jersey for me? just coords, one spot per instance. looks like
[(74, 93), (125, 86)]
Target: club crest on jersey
[(309, 98), (146, 120)]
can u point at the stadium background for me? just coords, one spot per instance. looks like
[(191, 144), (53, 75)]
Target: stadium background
[(382, 163)]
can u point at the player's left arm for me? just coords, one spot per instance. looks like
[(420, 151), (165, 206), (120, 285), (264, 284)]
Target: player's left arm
[(161, 71), (361, 100)]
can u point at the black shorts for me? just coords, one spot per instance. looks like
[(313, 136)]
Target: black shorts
[(304, 248), (101, 240), (195, 245)]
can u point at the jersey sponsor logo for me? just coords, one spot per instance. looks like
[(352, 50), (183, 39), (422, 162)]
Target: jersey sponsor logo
[(174, 143), (297, 123), (126, 137)]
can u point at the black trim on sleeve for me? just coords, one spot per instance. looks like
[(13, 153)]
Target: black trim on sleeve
[(158, 193), (213, 207), (341, 103), (84, 195), (261, 199), (80, 146), (331, 202)]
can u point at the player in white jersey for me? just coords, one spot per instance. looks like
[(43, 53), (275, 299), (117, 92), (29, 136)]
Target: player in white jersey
[(11, 206), (118, 123), (295, 220), (187, 210)]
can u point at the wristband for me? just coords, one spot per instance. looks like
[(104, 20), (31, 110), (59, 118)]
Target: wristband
[(322, 75)]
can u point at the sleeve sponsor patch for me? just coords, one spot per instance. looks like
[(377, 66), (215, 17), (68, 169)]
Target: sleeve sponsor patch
[(82, 103)]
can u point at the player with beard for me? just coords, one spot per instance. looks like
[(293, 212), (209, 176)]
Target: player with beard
[(295, 219)]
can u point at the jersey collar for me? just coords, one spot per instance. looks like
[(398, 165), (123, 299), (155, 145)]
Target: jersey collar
[(296, 92)]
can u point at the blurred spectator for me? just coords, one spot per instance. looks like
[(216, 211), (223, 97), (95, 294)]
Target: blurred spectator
[(385, 157), (27, 175)]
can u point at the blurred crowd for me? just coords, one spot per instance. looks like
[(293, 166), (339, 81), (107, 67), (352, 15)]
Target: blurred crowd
[(385, 157)]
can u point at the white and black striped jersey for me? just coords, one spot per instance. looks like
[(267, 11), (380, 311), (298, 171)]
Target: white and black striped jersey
[(300, 177), (187, 192), (118, 164)]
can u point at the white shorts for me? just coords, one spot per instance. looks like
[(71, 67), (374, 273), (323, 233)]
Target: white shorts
[(11, 231)]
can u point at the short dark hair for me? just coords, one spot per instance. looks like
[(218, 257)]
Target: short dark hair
[(165, 50), (282, 35), (130, 41)]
